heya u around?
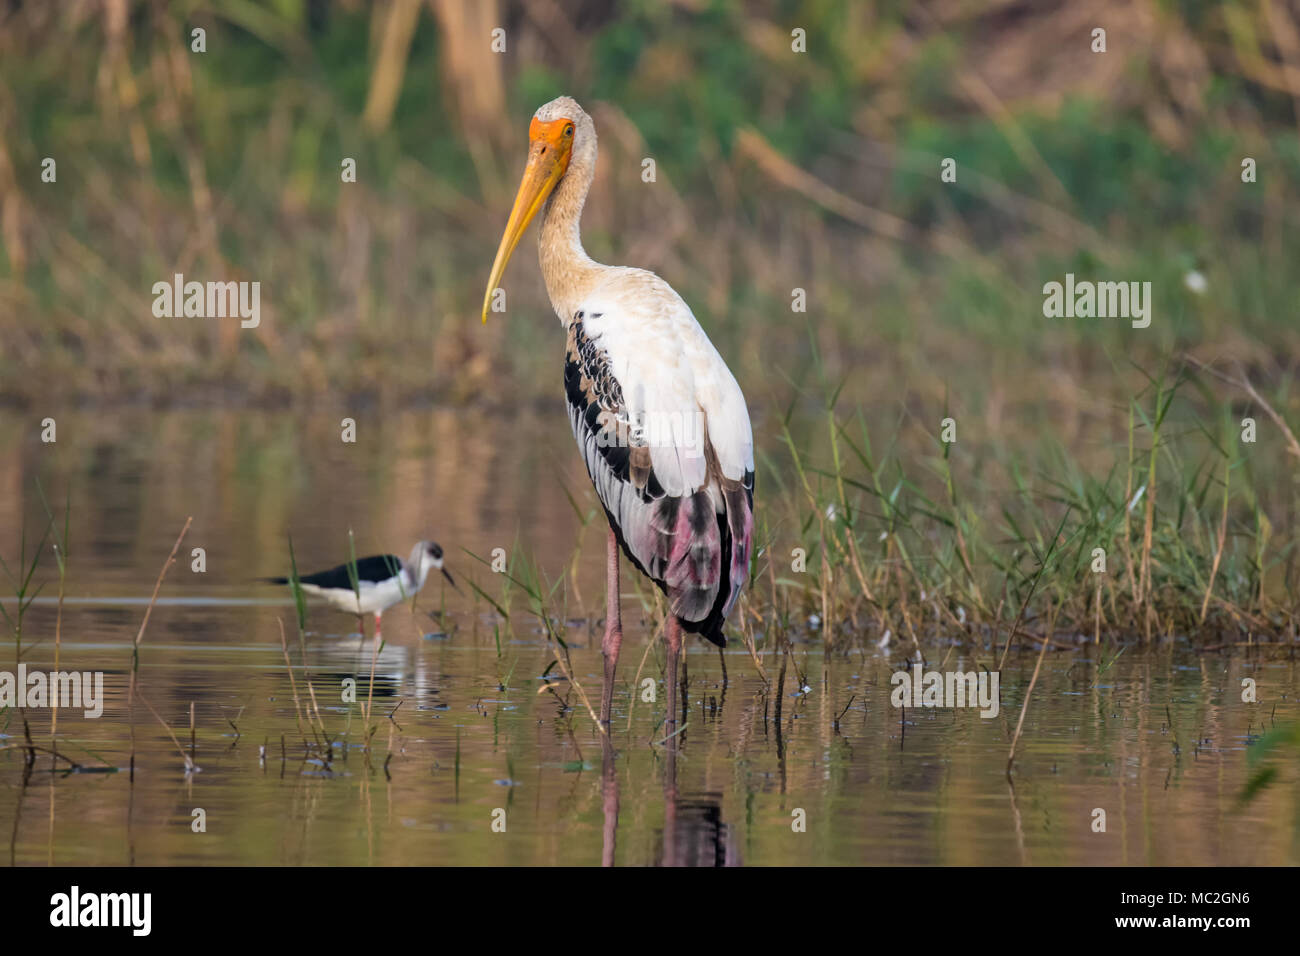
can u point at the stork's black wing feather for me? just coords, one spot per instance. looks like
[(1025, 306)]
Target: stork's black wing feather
[(682, 544)]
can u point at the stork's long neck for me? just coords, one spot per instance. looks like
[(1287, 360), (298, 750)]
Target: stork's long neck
[(567, 269)]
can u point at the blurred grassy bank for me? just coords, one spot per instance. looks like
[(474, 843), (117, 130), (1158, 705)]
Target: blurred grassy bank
[(775, 171)]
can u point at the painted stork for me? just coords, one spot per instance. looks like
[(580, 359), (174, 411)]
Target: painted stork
[(658, 416), (382, 580)]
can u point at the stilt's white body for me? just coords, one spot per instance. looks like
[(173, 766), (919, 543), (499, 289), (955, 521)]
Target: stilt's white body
[(371, 596)]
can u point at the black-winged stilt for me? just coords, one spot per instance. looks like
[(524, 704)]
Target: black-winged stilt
[(382, 580)]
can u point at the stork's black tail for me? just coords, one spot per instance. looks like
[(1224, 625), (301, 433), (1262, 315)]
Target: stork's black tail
[(710, 628)]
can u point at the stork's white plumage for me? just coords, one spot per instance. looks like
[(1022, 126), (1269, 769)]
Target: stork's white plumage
[(658, 416)]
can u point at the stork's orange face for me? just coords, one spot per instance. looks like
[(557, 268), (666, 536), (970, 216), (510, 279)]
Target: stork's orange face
[(550, 146)]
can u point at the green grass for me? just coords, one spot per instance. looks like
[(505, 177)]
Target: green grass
[(940, 545)]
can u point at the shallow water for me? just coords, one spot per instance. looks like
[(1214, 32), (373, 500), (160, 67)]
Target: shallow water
[(476, 736)]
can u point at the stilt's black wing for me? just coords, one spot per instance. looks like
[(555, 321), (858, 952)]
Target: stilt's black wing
[(376, 567)]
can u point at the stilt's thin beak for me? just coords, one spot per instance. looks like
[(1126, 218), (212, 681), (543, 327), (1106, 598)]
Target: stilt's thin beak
[(550, 146), (447, 574)]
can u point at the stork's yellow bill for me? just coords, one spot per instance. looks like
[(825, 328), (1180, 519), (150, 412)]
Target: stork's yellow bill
[(550, 145)]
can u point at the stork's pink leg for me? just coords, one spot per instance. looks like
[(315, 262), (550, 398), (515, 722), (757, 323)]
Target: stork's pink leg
[(613, 629), (673, 638), (378, 615)]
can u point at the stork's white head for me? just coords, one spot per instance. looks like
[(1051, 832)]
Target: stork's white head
[(554, 115), (560, 137)]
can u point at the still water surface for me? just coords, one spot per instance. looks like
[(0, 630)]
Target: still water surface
[(476, 735)]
